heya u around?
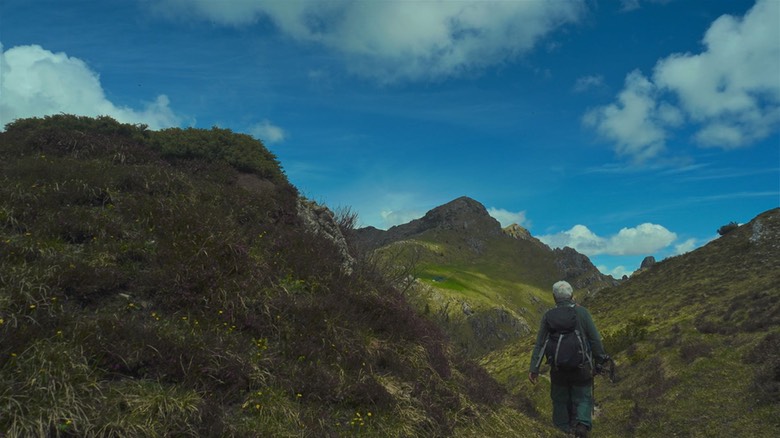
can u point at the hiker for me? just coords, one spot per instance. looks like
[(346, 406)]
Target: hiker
[(571, 343)]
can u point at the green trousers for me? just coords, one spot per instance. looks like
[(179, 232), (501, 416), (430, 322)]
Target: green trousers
[(572, 404)]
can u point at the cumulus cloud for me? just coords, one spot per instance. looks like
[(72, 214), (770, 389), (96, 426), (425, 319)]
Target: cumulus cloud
[(617, 272), (507, 218), (638, 122), (35, 82), (268, 132), (687, 246), (730, 91), (397, 40), (644, 239), (391, 218)]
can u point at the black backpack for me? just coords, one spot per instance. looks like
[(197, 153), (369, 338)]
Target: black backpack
[(565, 347)]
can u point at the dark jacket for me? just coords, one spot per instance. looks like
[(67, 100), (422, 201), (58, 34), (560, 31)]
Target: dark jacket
[(585, 326)]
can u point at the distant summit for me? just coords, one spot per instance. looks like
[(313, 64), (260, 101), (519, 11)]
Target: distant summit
[(462, 214), (468, 221), (486, 286)]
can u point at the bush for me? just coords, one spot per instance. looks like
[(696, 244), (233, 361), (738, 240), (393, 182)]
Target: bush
[(619, 340), (239, 150), (77, 136), (729, 227)]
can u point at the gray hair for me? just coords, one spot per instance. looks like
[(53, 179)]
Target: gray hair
[(562, 291)]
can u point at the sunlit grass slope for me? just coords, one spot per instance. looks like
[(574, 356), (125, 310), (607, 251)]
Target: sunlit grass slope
[(696, 339), (162, 284), (484, 295)]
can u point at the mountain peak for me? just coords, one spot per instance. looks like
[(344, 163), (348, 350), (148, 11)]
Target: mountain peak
[(461, 214)]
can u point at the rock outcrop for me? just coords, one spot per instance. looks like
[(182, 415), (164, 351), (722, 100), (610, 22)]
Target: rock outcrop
[(647, 262), (580, 272), (520, 233), (476, 227), (320, 220)]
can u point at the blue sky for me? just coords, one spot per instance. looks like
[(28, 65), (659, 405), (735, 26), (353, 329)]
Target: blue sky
[(620, 128)]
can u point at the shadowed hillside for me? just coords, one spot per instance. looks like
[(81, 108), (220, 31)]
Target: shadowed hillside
[(173, 283)]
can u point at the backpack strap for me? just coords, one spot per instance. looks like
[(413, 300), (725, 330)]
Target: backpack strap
[(557, 348), (541, 352), (586, 355)]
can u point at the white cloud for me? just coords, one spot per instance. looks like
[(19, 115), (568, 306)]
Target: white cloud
[(643, 239), (616, 272), (396, 40), (730, 91), (687, 246), (733, 87), (35, 82), (391, 218), (590, 82), (268, 132), (637, 122), (507, 218)]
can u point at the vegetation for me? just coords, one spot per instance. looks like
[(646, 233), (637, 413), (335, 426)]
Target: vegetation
[(695, 340), (162, 284), (729, 227)]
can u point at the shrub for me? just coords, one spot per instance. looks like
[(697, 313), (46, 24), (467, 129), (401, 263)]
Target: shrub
[(77, 136), (239, 150), (729, 227), (633, 331)]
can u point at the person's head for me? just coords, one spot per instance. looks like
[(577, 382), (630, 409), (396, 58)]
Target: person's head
[(562, 291)]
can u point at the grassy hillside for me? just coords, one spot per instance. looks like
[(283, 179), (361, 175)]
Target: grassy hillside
[(486, 286), (162, 284), (696, 339), (484, 292)]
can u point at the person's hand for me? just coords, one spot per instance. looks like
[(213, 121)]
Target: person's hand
[(533, 377)]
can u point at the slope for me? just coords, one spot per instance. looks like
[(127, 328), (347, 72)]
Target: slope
[(486, 286), (696, 339), (164, 284)]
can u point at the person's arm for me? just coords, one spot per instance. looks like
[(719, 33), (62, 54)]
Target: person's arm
[(593, 335), (533, 373)]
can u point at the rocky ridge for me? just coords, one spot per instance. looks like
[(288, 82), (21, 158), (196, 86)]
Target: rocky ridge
[(472, 220)]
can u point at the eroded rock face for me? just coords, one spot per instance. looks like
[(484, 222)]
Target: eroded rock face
[(578, 270), (320, 220), (647, 262)]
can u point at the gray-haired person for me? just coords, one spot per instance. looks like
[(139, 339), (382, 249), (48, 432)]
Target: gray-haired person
[(571, 343)]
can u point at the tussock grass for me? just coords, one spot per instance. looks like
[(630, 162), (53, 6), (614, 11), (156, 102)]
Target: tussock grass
[(162, 284)]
